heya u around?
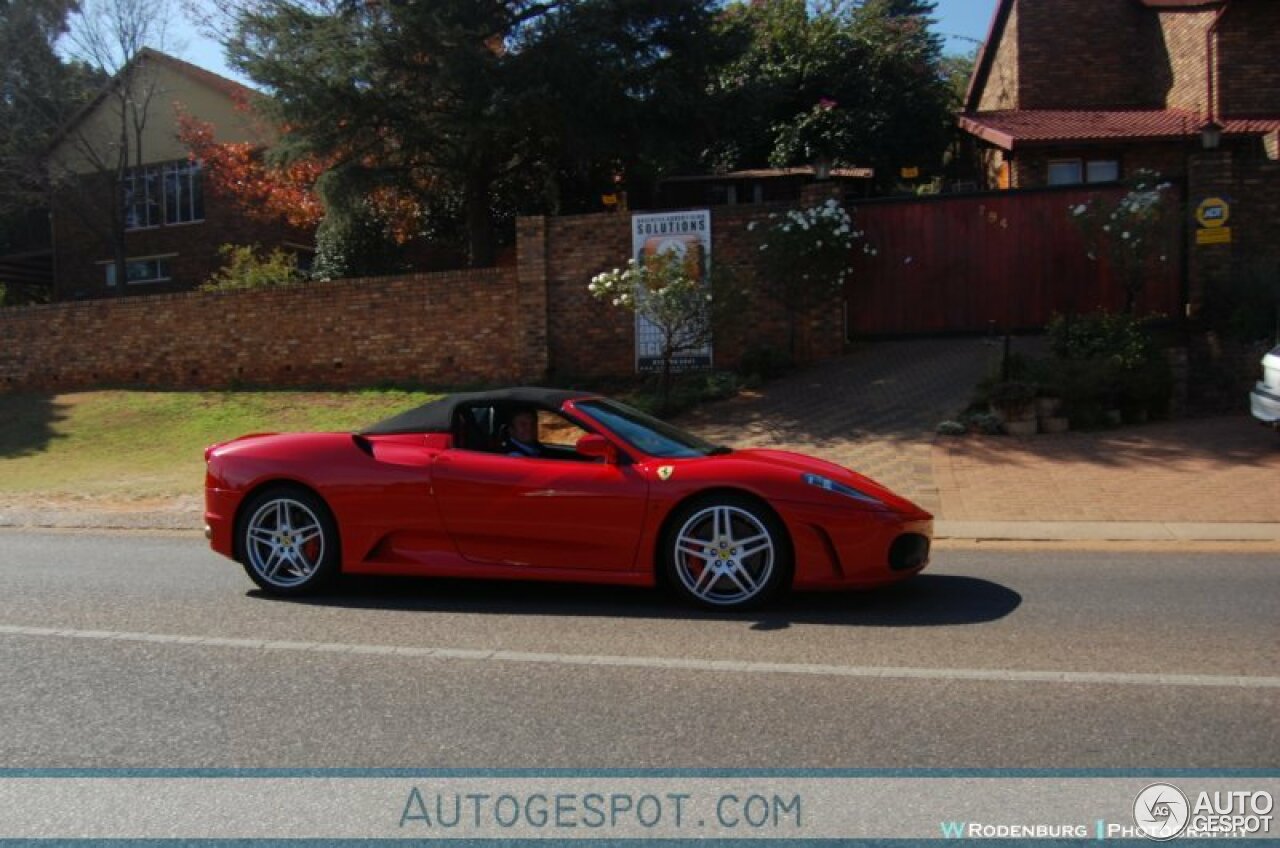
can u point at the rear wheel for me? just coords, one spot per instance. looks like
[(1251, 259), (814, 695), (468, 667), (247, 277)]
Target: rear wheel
[(727, 552), (288, 541)]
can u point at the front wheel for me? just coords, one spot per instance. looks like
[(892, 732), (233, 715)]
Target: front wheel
[(727, 552), (288, 541)]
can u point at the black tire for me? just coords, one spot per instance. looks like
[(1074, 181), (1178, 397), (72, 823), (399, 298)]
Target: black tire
[(716, 574), (297, 556)]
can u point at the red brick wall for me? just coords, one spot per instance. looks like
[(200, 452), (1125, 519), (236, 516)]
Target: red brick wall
[(593, 338), (1089, 54), (1001, 88), (80, 246), (1169, 159), (1249, 59), (1183, 32), (446, 328)]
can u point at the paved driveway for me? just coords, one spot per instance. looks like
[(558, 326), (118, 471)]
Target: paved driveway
[(873, 410)]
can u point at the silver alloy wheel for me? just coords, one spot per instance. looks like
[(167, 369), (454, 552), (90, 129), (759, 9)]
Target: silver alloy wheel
[(284, 542), (724, 555)]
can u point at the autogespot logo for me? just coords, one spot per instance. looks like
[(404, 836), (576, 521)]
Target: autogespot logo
[(1161, 811)]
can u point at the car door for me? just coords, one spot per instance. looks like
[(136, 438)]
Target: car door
[(540, 512)]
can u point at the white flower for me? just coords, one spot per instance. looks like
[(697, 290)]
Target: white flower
[(1164, 258), (1106, 228), (819, 244), (751, 227), (1124, 235), (764, 247), (908, 260), (1079, 210)]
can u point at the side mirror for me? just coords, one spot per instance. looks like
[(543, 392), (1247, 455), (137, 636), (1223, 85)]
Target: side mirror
[(595, 445)]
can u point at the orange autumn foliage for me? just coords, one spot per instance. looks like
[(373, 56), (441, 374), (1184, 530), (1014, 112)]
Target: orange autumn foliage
[(263, 191)]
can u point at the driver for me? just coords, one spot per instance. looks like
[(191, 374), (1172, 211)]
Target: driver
[(522, 438)]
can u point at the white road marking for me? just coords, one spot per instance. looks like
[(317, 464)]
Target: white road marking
[(995, 675)]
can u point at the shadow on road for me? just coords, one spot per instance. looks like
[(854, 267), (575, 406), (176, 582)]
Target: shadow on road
[(926, 601)]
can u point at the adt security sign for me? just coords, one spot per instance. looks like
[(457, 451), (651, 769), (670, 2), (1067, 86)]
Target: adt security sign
[(1213, 212), (1212, 215)]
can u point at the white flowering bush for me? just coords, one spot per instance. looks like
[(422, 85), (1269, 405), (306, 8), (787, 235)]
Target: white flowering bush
[(667, 289), (806, 255), (1135, 232)]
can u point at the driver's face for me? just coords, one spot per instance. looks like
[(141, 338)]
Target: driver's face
[(524, 427)]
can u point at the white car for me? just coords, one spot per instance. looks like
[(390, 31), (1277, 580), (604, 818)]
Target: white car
[(1265, 398)]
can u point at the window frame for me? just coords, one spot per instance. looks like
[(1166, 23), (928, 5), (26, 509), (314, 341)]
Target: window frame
[(162, 268)]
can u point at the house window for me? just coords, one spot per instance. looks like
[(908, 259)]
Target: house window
[(142, 198), (1076, 171), (1065, 172), (183, 193), (148, 269), (1102, 171), (168, 194)]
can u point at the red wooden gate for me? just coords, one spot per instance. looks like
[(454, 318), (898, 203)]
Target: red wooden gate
[(1005, 261)]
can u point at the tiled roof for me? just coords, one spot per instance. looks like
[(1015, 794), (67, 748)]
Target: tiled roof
[(1023, 127)]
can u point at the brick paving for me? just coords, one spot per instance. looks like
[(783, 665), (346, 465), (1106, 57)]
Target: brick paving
[(1212, 469), (873, 410)]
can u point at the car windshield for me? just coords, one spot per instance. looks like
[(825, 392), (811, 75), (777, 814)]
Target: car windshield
[(646, 433)]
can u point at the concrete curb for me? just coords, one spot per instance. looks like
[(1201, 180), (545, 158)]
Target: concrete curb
[(1002, 531), (1107, 531)]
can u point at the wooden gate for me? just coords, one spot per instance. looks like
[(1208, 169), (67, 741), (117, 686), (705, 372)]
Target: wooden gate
[(1006, 260)]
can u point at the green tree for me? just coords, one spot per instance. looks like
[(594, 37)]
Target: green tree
[(38, 93), (855, 83), (482, 107)]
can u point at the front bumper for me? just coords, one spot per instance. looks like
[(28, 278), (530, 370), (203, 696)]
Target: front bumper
[(219, 519), (1265, 405), (857, 549)]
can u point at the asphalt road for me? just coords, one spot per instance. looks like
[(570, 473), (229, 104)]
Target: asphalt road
[(125, 650)]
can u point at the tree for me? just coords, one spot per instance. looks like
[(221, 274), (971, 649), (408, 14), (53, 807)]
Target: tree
[(38, 93), (482, 108), (806, 255), (854, 83), (669, 291), (1131, 231), (90, 165)]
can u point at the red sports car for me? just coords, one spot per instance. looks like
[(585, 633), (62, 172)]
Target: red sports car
[(546, 484)]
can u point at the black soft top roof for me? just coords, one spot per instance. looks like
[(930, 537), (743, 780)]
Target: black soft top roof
[(437, 416)]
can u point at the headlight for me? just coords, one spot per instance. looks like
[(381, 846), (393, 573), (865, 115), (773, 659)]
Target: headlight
[(839, 488)]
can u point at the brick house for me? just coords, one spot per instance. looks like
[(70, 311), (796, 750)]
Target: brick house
[(172, 227), (1081, 91)]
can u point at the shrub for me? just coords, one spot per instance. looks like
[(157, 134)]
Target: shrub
[(952, 428), (246, 268), (765, 363), (1100, 335)]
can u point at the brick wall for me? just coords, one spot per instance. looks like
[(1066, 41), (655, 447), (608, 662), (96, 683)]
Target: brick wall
[(1001, 89), (1183, 32), (591, 338), (81, 243), (1090, 54), (498, 325), (1249, 59), (446, 328)]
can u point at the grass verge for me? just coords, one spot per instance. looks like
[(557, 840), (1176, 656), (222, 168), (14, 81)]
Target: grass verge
[(136, 445)]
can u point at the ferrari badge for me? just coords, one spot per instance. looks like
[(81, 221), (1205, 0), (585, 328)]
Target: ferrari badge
[(665, 472)]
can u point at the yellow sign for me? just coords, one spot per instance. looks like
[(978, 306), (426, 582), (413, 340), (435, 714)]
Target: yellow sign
[(910, 173), (1213, 212), (665, 472), (609, 199), (1216, 235)]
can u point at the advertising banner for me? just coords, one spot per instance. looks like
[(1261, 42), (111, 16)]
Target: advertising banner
[(653, 235)]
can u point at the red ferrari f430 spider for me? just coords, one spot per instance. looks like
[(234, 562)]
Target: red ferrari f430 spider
[(547, 484)]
